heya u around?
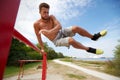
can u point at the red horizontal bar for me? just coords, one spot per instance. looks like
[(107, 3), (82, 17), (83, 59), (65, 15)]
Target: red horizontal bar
[(29, 60), (17, 35)]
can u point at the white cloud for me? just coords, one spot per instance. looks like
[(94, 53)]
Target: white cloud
[(67, 9), (64, 10), (29, 12), (26, 29)]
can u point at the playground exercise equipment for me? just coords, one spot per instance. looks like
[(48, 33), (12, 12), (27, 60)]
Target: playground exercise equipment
[(17, 35), (8, 13), (22, 63)]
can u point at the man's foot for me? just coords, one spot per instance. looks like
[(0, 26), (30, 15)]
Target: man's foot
[(95, 51), (98, 35)]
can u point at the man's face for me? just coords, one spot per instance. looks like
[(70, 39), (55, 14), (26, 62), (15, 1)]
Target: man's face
[(44, 13)]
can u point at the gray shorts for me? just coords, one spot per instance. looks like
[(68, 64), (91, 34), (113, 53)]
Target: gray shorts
[(63, 37)]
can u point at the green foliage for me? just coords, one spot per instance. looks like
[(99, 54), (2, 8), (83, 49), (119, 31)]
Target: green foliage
[(19, 51), (51, 54), (13, 70), (60, 55), (34, 56), (117, 59), (113, 67), (76, 76)]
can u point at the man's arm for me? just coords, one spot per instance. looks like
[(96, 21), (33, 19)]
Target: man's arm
[(37, 29), (57, 25)]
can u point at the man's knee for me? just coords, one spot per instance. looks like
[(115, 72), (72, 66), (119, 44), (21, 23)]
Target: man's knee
[(75, 28), (71, 40)]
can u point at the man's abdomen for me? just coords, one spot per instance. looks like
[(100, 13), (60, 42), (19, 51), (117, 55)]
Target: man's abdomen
[(49, 34)]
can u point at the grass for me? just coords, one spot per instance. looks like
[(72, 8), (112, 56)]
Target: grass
[(112, 68), (102, 66), (76, 76), (66, 59), (12, 70), (89, 63), (81, 61)]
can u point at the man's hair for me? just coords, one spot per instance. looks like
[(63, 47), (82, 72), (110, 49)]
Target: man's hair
[(43, 5)]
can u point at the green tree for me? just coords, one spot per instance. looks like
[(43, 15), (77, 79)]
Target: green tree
[(20, 51), (51, 54), (117, 59), (113, 67), (33, 55), (17, 52), (60, 55)]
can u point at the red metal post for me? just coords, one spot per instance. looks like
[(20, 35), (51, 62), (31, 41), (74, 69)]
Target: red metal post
[(44, 66), (44, 61), (8, 13), (22, 62), (21, 69)]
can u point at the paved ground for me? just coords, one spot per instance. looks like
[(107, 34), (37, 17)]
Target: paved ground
[(101, 75), (34, 74), (56, 71)]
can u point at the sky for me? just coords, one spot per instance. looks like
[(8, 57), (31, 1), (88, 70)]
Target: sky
[(92, 15)]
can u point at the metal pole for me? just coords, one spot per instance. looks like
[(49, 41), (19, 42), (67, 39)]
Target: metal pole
[(44, 66)]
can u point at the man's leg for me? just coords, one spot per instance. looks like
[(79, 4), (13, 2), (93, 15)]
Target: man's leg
[(78, 45), (83, 32)]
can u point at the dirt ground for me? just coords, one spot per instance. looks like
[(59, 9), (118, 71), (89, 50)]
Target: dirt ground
[(55, 72)]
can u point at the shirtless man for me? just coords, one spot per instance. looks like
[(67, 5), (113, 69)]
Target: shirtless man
[(49, 26)]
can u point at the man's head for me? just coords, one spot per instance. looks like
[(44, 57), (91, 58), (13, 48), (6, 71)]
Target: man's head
[(44, 10)]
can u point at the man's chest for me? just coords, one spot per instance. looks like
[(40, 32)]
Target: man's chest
[(47, 25)]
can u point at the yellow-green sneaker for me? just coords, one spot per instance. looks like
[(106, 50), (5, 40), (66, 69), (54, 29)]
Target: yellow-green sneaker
[(99, 51), (98, 35), (103, 32), (95, 51)]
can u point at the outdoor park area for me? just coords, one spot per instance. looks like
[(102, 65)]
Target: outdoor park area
[(66, 71), (22, 59)]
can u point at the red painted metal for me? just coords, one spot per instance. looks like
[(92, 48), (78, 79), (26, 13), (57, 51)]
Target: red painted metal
[(44, 66), (19, 36), (8, 13), (29, 60), (22, 62), (21, 71)]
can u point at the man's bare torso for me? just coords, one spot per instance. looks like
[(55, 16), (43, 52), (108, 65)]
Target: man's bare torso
[(46, 26)]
